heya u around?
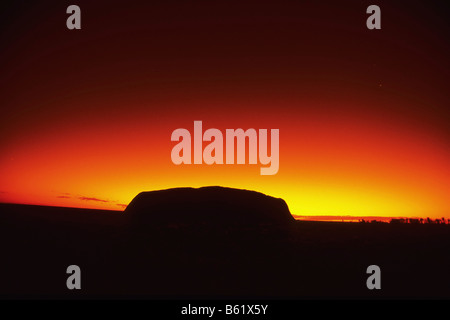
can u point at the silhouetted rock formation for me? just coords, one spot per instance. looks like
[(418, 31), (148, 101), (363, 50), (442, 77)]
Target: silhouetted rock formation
[(207, 206)]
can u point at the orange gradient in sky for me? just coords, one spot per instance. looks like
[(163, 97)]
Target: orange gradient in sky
[(363, 115), (341, 164)]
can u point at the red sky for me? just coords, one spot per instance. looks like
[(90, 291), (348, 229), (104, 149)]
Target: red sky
[(363, 115)]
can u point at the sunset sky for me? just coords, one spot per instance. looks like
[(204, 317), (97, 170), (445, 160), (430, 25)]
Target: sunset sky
[(87, 115)]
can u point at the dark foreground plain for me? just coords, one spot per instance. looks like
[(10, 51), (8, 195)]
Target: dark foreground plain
[(302, 260)]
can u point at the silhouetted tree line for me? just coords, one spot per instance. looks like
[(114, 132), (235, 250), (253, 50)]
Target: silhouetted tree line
[(371, 221), (419, 221), (410, 221)]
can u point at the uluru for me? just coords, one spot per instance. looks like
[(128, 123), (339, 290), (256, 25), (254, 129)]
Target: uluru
[(207, 206)]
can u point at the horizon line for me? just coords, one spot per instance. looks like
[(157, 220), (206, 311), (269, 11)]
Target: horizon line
[(298, 217)]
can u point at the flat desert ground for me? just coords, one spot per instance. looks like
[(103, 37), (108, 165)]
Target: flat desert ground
[(318, 260)]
